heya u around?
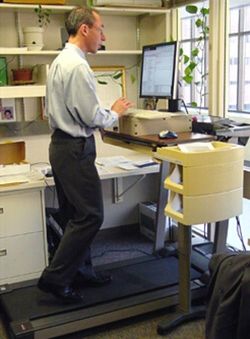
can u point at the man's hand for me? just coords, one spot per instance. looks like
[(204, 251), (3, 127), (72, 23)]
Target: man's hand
[(121, 105)]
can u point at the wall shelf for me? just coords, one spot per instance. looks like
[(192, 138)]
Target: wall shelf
[(24, 91), (103, 10), (5, 51)]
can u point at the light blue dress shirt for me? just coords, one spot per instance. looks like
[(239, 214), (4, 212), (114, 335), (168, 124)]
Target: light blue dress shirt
[(72, 104)]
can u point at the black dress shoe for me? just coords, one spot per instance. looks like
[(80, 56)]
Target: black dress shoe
[(97, 280), (65, 293)]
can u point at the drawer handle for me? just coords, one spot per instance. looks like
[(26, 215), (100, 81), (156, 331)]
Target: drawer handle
[(1, 210), (3, 252)]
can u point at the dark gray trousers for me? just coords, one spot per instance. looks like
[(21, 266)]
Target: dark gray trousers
[(79, 193)]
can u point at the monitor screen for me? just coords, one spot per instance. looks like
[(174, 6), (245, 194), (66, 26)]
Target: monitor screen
[(159, 71)]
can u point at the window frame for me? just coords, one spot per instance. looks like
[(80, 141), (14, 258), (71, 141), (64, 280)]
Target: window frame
[(240, 34)]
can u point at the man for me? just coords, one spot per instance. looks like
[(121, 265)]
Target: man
[(74, 113)]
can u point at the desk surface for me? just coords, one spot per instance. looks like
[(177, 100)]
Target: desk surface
[(36, 184), (115, 172), (105, 173), (153, 141)]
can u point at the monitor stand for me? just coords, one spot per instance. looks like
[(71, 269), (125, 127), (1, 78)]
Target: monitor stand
[(174, 105)]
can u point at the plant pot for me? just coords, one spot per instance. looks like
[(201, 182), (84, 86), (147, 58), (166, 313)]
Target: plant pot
[(33, 38), (22, 74)]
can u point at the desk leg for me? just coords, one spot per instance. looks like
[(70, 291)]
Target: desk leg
[(184, 310), (162, 201), (220, 236)]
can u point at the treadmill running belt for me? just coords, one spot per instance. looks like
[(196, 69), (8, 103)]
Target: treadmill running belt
[(31, 303)]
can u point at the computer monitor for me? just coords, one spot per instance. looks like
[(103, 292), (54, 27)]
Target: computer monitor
[(159, 71)]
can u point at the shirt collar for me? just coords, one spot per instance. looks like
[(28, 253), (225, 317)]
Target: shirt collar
[(68, 45)]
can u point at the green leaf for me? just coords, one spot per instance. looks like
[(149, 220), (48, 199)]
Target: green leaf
[(194, 104), (204, 11), (132, 78), (188, 79), (187, 70), (181, 52), (101, 82), (117, 76), (206, 29), (192, 65), (186, 59), (192, 9), (195, 52), (198, 23)]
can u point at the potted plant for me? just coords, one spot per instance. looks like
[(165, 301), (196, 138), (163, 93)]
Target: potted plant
[(33, 35), (195, 62), (22, 75)]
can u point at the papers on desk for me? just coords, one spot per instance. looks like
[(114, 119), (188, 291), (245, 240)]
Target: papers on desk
[(20, 178), (122, 162), (111, 161), (13, 179), (196, 147), (14, 169)]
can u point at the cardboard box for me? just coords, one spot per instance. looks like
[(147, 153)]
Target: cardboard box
[(12, 153)]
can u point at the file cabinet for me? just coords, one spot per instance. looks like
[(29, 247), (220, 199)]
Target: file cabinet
[(23, 246)]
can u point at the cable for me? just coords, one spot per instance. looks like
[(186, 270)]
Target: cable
[(239, 232), (155, 103), (39, 163), (184, 104)]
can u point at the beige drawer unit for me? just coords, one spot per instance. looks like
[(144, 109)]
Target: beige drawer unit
[(204, 185), (23, 246)]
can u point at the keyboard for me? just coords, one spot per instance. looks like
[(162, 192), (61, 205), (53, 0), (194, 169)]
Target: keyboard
[(147, 114), (135, 111)]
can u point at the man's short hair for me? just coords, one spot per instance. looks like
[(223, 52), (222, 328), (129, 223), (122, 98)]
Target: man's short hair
[(77, 17)]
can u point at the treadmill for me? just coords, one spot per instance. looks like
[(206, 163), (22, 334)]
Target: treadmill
[(139, 286)]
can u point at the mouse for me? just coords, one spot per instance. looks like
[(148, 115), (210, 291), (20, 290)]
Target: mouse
[(165, 134)]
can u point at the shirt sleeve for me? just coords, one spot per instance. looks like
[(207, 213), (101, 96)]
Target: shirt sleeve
[(82, 101)]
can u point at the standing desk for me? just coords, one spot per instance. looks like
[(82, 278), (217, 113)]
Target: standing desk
[(184, 311)]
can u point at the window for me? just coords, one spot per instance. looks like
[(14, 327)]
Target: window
[(194, 93), (239, 54)]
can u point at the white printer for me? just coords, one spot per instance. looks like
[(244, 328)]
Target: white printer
[(142, 122)]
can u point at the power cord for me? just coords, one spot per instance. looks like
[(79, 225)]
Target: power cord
[(239, 232), (185, 106)]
